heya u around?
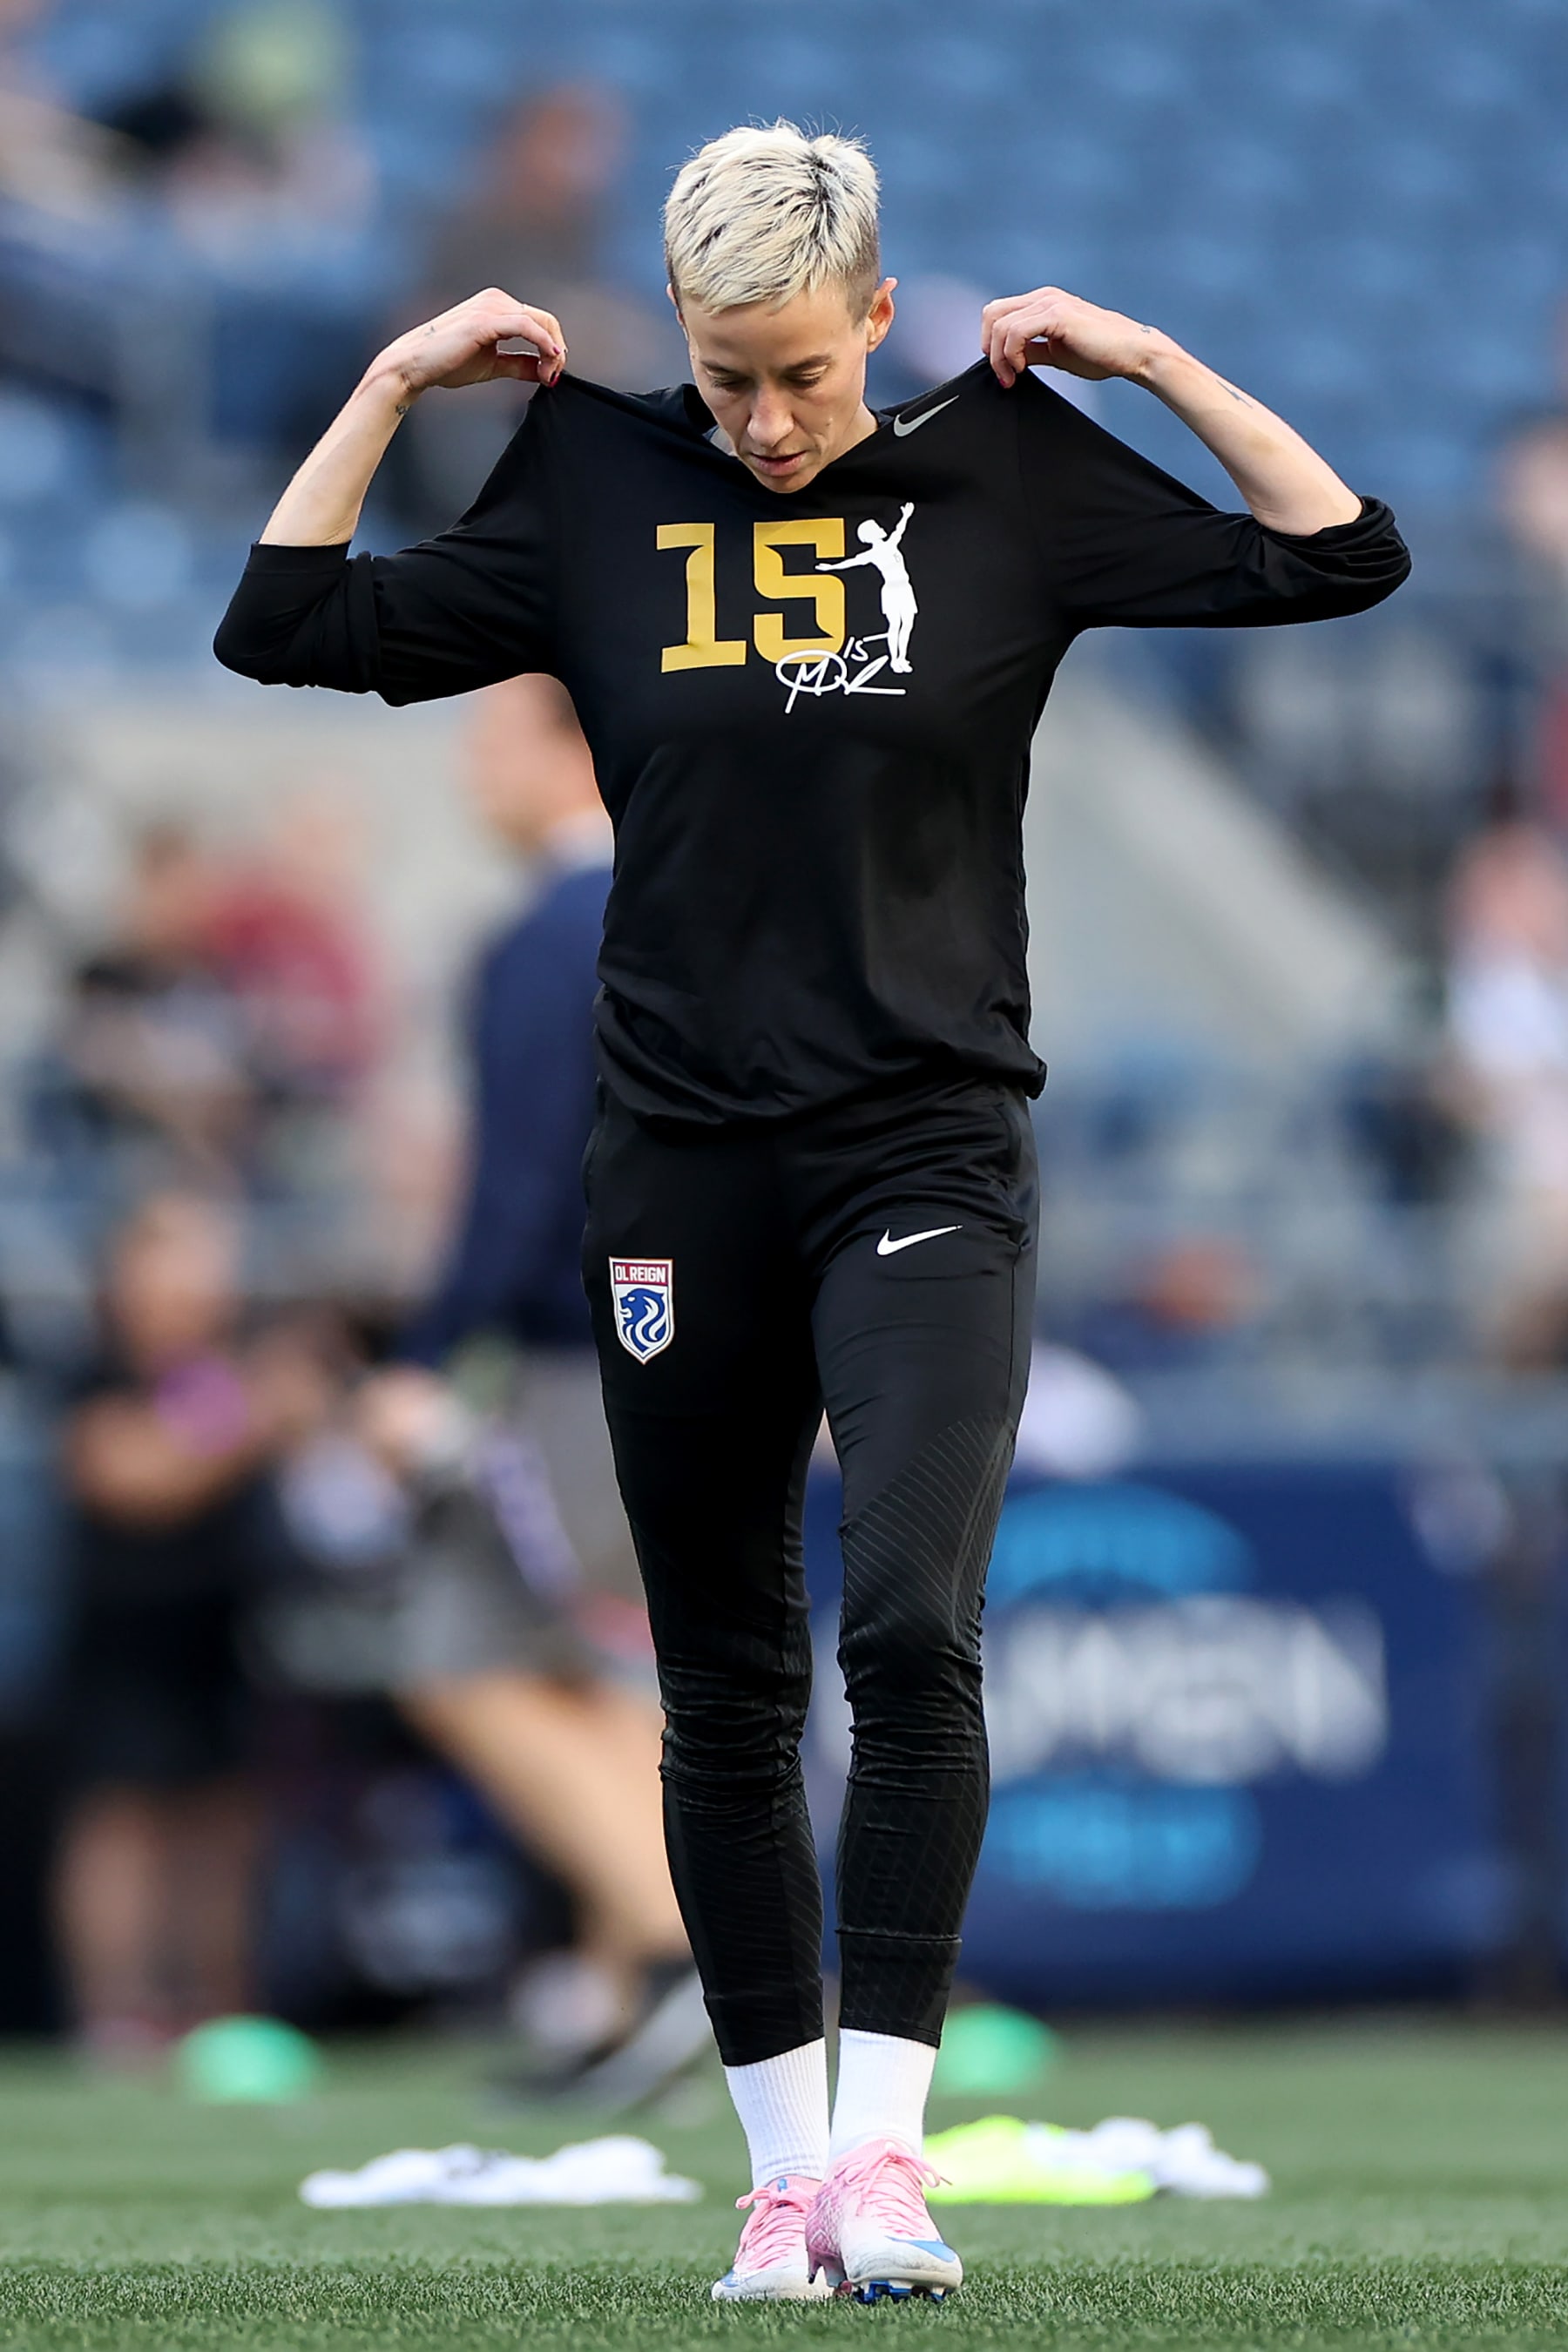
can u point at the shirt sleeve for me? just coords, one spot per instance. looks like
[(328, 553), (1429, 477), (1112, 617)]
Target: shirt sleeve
[(530, 1050), (457, 612), (1123, 542)]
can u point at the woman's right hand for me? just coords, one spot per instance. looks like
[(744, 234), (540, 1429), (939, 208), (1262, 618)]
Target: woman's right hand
[(462, 347)]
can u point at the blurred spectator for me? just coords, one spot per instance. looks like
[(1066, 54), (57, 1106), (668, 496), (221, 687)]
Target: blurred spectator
[(513, 1263), (67, 283), (1507, 1009), (533, 222), (153, 1049), (268, 170), (1533, 479), (163, 1451), (285, 935), (49, 158), (234, 997), (1533, 500), (534, 211), (17, 16), (200, 259), (1535, 493), (524, 1608)]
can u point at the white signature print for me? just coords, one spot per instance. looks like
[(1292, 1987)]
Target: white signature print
[(809, 670)]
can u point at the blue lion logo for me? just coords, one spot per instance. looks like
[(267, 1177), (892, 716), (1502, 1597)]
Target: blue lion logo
[(644, 1320)]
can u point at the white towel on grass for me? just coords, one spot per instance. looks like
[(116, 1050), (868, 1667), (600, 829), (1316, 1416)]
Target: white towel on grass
[(614, 2171), (1184, 2162)]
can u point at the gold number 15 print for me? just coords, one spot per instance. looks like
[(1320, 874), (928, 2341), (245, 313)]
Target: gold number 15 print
[(704, 648)]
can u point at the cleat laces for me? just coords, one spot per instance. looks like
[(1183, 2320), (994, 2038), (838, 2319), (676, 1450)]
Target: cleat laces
[(776, 2227), (888, 2186)]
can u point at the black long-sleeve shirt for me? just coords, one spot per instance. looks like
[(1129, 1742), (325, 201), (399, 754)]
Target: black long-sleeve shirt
[(810, 714)]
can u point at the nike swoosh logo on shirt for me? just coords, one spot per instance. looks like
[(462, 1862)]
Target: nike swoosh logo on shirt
[(902, 424), (888, 1247)]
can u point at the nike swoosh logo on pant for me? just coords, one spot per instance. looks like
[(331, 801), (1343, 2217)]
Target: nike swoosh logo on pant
[(888, 1247)]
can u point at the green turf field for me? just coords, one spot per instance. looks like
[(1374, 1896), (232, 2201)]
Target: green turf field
[(1421, 2199)]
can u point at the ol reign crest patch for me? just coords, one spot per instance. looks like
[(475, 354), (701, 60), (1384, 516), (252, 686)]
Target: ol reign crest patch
[(644, 1291)]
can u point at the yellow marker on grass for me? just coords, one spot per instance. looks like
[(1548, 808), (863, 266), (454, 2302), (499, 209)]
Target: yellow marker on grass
[(1003, 2161)]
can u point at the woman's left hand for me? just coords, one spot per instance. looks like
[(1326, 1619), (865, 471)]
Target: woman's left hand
[(1050, 329)]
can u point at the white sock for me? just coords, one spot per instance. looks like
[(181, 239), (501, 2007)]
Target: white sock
[(783, 2105), (883, 2084)]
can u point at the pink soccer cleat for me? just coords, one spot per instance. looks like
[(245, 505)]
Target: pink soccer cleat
[(869, 2230), (771, 2264)]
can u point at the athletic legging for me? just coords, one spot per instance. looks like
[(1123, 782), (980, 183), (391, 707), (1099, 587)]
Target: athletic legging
[(876, 1260)]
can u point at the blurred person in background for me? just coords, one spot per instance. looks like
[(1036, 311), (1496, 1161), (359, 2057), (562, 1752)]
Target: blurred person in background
[(271, 192), (1533, 483), (163, 1456), (287, 936), (199, 260), (151, 1050), (271, 171), (1508, 1018), (1532, 497), (245, 142), (234, 1003), (522, 1620), (50, 158), (535, 214)]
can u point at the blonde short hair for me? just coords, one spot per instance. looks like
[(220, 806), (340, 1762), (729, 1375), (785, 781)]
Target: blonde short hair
[(761, 215)]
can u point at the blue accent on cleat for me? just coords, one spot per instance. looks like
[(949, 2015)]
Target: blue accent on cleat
[(893, 2291), (931, 2246)]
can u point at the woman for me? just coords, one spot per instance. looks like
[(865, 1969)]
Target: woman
[(812, 1182)]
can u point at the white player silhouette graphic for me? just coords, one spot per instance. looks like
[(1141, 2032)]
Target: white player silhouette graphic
[(883, 553)]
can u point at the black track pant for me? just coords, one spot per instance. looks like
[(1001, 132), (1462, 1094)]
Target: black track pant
[(877, 1260)]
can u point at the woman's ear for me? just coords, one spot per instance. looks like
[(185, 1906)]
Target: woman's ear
[(879, 317)]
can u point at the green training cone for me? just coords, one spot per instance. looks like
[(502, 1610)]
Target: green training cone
[(989, 2052), (246, 2058)]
